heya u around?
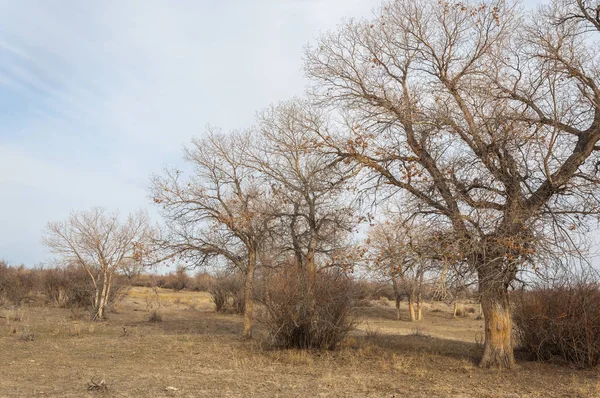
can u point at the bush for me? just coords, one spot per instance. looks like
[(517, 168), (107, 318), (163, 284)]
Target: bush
[(72, 287), (16, 283), (68, 287), (227, 292), (297, 319), (155, 317), (202, 282), (560, 321)]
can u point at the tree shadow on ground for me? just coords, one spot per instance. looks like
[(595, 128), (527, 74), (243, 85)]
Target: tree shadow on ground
[(416, 344), (210, 323)]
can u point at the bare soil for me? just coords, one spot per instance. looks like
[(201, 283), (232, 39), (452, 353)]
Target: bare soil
[(195, 352)]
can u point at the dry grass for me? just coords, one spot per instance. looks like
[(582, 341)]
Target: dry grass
[(196, 353)]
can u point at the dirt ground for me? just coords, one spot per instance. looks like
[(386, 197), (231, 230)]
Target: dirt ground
[(195, 352)]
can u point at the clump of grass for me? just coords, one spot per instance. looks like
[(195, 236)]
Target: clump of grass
[(26, 335), (155, 317), (371, 333), (99, 386), (420, 332)]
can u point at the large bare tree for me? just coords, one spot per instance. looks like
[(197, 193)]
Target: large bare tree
[(218, 211), (484, 119), (101, 244)]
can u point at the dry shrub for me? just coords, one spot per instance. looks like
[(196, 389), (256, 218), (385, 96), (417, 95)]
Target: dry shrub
[(202, 282), (72, 287), (219, 295), (16, 283), (296, 318), (370, 290), (68, 287), (155, 317), (119, 290), (177, 280), (459, 310), (560, 321), (227, 292)]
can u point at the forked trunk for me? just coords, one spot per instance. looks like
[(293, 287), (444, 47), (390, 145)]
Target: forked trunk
[(249, 302), (498, 349)]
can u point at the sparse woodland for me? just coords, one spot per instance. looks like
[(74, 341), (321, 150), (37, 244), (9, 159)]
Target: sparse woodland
[(443, 151)]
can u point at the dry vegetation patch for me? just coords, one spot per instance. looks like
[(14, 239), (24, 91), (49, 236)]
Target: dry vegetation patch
[(199, 353)]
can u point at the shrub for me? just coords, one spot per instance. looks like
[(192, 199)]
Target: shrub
[(16, 283), (155, 317), (227, 292), (202, 282), (68, 287), (72, 287), (218, 294), (297, 319), (560, 321)]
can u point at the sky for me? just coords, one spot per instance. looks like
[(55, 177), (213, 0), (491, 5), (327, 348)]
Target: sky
[(95, 96)]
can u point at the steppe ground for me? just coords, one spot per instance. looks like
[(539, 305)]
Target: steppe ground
[(195, 352)]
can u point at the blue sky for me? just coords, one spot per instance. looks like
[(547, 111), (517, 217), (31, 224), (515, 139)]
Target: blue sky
[(97, 95)]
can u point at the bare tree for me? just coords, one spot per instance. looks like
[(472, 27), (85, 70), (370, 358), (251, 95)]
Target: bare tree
[(404, 254), (482, 119), (219, 211), (101, 244), (309, 185)]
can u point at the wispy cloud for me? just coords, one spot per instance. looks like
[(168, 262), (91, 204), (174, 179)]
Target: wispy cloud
[(96, 96)]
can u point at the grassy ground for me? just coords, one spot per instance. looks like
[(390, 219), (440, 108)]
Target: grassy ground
[(195, 352)]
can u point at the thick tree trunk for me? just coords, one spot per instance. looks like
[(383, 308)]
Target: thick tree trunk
[(411, 306), (498, 349), (248, 290)]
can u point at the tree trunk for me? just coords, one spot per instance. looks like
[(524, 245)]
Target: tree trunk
[(311, 268), (248, 300), (419, 309), (397, 296), (97, 300), (498, 349), (411, 306), (419, 294), (103, 298)]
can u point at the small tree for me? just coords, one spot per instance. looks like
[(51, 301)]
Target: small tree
[(219, 212), (403, 254), (101, 244)]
